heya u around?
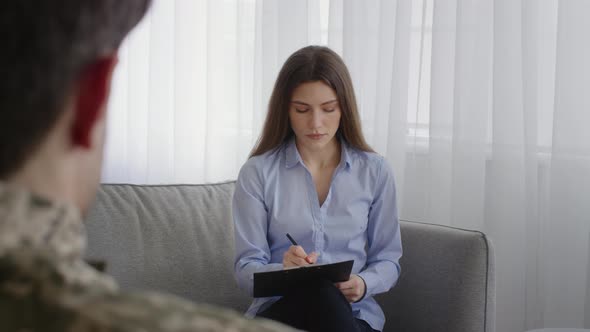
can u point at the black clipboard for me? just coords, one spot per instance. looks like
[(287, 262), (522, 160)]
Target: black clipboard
[(278, 283)]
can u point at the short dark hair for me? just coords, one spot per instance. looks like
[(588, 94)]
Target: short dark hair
[(309, 64), (45, 45)]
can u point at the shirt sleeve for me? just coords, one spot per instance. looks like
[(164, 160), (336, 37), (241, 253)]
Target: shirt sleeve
[(384, 241), (250, 215)]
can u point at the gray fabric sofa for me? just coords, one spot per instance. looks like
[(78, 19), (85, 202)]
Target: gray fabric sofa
[(179, 239)]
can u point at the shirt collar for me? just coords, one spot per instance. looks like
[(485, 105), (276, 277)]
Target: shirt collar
[(32, 222), (293, 157), (345, 157)]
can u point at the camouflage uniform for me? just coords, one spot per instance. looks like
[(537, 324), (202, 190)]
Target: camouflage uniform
[(46, 286)]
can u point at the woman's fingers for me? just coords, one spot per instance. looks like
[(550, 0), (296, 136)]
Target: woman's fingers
[(312, 258), (295, 256), (298, 251), (353, 289), (298, 261)]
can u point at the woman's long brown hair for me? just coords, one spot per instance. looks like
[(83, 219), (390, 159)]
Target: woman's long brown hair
[(309, 64)]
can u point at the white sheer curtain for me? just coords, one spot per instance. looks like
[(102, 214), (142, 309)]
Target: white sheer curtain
[(481, 107)]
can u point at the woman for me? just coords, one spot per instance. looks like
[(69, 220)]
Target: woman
[(312, 175)]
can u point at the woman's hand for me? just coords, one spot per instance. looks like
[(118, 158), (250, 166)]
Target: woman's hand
[(296, 256), (353, 289)]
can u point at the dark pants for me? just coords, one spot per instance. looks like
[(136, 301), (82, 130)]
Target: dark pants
[(318, 307)]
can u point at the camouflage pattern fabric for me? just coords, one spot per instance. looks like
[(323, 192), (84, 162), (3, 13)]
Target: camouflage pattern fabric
[(46, 286)]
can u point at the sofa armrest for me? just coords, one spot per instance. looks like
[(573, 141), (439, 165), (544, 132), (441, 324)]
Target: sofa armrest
[(446, 283)]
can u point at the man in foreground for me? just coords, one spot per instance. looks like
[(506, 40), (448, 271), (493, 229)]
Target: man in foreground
[(57, 61)]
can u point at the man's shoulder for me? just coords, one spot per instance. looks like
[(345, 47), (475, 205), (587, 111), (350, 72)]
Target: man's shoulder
[(46, 286), (150, 311), (53, 297)]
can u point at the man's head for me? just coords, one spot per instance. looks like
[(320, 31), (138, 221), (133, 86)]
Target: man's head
[(56, 62)]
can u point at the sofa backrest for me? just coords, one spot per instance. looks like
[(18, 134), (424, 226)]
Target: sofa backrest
[(446, 283), (179, 239)]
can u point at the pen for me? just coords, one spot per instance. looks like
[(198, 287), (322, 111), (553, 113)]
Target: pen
[(307, 259), (292, 240)]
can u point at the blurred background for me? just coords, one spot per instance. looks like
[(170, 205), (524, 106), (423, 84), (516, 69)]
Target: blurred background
[(482, 108)]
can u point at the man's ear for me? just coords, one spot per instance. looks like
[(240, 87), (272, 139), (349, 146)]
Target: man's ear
[(93, 87)]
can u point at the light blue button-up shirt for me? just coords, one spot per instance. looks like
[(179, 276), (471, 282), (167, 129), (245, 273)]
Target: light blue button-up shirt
[(275, 195)]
